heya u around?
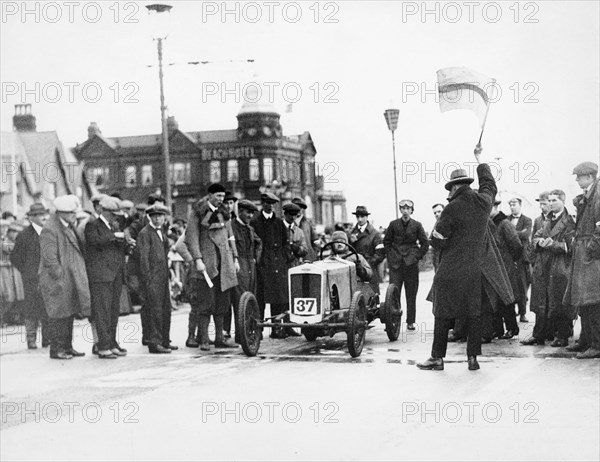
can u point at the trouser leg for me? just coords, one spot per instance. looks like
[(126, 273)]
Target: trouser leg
[(562, 324), (101, 308), (540, 329), (473, 336), (397, 278), (115, 311), (236, 294), (412, 287), (441, 326), (166, 319), (592, 320), (31, 325), (510, 319)]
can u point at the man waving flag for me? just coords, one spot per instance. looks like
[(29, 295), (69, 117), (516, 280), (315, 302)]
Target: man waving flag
[(464, 88)]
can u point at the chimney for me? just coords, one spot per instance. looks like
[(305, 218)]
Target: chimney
[(172, 125), (93, 130), (23, 120)]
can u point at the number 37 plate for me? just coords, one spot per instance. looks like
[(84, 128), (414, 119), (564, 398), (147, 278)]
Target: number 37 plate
[(305, 306)]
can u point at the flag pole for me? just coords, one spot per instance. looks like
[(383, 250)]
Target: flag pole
[(487, 109)]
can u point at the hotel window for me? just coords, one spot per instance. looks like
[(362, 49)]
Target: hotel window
[(146, 175), (253, 170), (215, 171), (232, 170), (131, 176), (181, 173), (98, 176), (284, 170), (268, 170), (308, 170)]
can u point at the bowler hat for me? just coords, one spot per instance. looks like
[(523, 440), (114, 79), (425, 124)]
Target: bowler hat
[(269, 197), (246, 204), (458, 176), (299, 202), (361, 211), (37, 209), (229, 197), (586, 168), (216, 188)]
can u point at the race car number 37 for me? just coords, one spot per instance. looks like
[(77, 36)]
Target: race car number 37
[(305, 306)]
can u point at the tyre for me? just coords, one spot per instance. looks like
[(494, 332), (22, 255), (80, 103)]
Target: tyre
[(356, 324), (248, 317), (392, 315)]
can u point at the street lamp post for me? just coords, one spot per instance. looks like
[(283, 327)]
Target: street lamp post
[(156, 9), (391, 117)]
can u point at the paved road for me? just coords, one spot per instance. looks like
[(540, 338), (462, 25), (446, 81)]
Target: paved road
[(298, 400)]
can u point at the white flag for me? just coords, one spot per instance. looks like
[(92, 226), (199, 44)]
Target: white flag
[(463, 88)]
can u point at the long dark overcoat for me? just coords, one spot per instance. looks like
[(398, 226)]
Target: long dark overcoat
[(457, 284), (509, 245), (62, 273), (273, 264), (249, 248), (369, 244), (584, 284), (552, 267), (26, 258)]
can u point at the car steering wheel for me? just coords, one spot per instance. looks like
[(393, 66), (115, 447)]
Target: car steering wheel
[(330, 244)]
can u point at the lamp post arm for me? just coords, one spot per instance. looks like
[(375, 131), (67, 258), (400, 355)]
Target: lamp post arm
[(395, 179)]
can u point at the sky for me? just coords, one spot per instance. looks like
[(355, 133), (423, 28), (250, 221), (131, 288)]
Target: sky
[(341, 64)]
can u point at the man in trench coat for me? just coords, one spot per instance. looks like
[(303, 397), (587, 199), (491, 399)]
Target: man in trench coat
[(458, 283), (63, 277), (583, 290)]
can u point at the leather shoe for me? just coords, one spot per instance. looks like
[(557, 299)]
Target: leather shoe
[(95, 349), (226, 334), (411, 326), (122, 350), (533, 341), (508, 335), (590, 353), (158, 349), (117, 352), (559, 342), (106, 354), (75, 353), (432, 364), (61, 355), (225, 344), (191, 343), (172, 347), (205, 347), (473, 364), (523, 318), (576, 347), (31, 346), (145, 342)]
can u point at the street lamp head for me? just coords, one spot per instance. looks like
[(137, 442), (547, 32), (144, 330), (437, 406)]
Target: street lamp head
[(160, 23), (391, 117)]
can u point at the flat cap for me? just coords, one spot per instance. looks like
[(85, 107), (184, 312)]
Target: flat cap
[(126, 204), (515, 199), (586, 168), (141, 206), (269, 197), (299, 202), (339, 236), (406, 203), (216, 188), (543, 196), (66, 203), (96, 198), (291, 208), (247, 205), (111, 204), (156, 209)]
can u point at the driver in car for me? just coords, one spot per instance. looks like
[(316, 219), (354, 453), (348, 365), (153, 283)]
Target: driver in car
[(364, 272)]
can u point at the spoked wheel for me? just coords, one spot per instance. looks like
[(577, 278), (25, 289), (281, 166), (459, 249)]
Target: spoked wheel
[(392, 312), (248, 316), (357, 324)]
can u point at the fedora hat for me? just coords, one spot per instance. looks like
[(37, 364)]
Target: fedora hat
[(37, 209), (361, 210), (458, 176)]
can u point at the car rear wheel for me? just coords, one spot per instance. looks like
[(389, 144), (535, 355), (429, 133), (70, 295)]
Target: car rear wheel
[(248, 317), (392, 314), (356, 324)]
